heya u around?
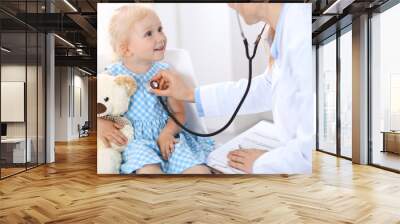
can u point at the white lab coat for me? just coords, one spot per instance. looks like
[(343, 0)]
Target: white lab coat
[(286, 89)]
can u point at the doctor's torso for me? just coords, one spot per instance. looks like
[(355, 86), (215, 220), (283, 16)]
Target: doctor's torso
[(291, 78)]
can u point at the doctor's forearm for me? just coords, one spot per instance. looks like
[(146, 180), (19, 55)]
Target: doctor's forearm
[(221, 99)]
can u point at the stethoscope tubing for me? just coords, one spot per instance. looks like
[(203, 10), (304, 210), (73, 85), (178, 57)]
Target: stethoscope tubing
[(232, 118)]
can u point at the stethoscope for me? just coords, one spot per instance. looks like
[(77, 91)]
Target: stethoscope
[(155, 85)]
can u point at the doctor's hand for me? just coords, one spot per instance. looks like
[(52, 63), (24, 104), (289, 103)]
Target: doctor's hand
[(243, 159), (171, 84)]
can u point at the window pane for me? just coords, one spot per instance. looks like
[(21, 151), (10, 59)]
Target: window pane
[(386, 89), (13, 85), (346, 94), (394, 101), (327, 97)]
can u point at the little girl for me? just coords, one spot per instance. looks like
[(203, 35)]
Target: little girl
[(159, 145)]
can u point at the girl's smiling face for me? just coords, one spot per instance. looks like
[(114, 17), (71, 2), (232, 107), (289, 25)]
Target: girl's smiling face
[(147, 40)]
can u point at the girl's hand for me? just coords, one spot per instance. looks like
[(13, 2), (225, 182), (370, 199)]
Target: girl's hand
[(166, 143), (109, 131)]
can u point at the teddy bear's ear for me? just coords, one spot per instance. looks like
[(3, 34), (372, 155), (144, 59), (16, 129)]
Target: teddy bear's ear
[(128, 82)]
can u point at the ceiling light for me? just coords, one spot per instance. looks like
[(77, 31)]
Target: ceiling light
[(337, 7), (84, 71), (64, 40), (5, 50), (70, 5)]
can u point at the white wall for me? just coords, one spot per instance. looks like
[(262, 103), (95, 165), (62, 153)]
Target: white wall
[(66, 120), (79, 117), (209, 32), (61, 103)]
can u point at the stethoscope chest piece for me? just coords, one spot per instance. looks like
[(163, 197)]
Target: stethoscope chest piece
[(154, 84)]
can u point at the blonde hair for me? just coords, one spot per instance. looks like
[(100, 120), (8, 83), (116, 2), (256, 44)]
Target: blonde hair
[(122, 22)]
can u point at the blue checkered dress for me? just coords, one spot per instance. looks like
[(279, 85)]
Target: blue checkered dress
[(148, 119)]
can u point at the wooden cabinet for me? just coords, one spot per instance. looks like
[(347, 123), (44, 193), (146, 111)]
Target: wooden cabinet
[(391, 142)]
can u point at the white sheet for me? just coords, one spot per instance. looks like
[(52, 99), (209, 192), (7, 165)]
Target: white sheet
[(260, 136)]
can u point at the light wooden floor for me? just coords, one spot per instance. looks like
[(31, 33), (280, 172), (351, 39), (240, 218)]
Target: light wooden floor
[(387, 159), (69, 191), (10, 171), (5, 172)]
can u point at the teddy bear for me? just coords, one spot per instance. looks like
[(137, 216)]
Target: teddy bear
[(113, 97)]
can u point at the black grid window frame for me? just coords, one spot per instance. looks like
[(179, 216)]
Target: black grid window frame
[(44, 76), (382, 8), (334, 37)]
